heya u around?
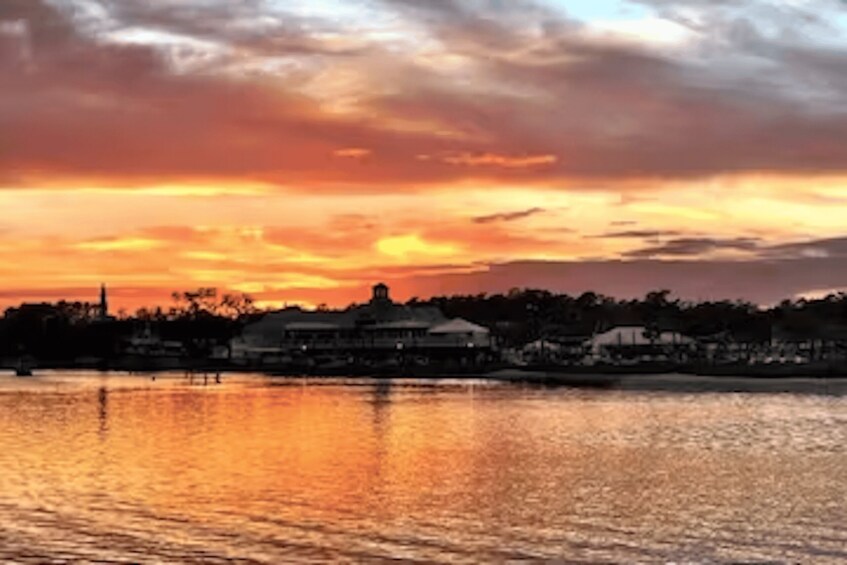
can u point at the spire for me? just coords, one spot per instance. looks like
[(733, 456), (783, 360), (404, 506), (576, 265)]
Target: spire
[(104, 305)]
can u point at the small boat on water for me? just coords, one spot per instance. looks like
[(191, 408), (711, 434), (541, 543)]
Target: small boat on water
[(23, 368)]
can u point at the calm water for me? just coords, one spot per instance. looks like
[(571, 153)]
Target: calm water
[(260, 470)]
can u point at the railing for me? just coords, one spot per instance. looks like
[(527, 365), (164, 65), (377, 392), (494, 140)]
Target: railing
[(428, 342)]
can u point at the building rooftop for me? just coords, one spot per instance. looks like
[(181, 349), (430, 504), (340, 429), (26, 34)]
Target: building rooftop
[(379, 313)]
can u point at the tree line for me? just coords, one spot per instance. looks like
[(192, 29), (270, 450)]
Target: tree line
[(524, 314), (63, 330)]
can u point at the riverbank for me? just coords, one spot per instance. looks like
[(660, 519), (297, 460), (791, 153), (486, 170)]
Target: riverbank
[(678, 382), (639, 377)]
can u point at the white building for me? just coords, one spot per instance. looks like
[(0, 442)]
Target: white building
[(636, 340), (459, 333)]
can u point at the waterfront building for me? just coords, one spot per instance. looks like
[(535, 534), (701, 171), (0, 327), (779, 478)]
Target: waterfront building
[(145, 342), (638, 342), (378, 327)]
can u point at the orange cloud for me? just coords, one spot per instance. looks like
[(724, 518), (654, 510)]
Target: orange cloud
[(119, 244), (352, 153), (494, 160), (405, 247)]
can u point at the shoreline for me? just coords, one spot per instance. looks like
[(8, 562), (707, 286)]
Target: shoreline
[(818, 369), (823, 369), (620, 380), (681, 382)]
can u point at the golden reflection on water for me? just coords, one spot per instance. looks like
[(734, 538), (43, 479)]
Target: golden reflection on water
[(122, 467)]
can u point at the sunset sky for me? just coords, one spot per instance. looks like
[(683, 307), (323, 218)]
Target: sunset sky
[(300, 150)]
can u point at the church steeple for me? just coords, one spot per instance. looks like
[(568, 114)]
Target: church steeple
[(104, 305)]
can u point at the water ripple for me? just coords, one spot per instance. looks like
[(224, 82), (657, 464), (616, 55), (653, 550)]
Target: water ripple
[(119, 468)]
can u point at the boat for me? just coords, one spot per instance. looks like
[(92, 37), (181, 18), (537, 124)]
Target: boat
[(23, 369)]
